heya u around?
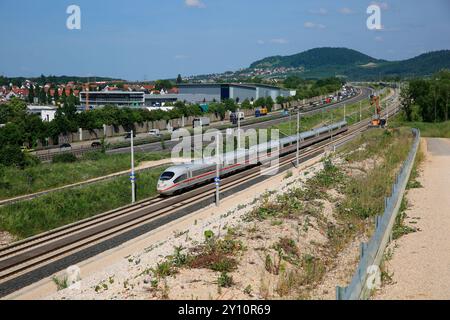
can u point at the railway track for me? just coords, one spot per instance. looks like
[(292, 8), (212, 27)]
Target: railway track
[(22, 258)]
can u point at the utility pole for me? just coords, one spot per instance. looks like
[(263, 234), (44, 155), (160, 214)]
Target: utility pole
[(239, 129), (331, 114), (360, 111), (132, 175), (386, 110), (298, 137), (217, 179), (345, 105)]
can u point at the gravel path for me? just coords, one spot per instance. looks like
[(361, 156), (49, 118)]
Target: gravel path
[(421, 260)]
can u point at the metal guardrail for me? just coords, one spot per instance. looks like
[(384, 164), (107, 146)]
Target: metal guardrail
[(372, 252)]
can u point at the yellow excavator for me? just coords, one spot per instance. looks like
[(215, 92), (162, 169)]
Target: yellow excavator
[(377, 121)]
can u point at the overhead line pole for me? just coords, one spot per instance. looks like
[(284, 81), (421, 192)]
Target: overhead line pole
[(298, 137), (217, 179), (132, 175)]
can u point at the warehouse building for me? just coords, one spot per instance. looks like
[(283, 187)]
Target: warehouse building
[(235, 91), (188, 93), (119, 98)]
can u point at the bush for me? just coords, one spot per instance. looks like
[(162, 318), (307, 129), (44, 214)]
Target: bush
[(224, 280), (64, 158), (93, 156), (10, 155)]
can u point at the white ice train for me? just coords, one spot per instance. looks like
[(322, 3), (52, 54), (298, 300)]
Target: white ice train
[(185, 176)]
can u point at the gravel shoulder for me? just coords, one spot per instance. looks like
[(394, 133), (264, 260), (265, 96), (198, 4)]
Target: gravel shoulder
[(420, 265)]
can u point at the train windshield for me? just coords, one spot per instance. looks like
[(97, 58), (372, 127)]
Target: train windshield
[(167, 176)]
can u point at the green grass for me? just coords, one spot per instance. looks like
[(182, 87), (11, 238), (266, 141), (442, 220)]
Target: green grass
[(44, 176), (327, 117), (364, 195), (427, 129), (28, 218)]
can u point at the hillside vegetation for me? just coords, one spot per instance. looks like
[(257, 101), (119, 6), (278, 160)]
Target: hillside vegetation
[(327, 62)]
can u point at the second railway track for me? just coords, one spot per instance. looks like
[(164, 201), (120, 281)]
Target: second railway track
[(21, 259)]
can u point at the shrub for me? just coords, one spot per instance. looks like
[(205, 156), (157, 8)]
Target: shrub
[(64, 158), (93, 155), (225, 280)]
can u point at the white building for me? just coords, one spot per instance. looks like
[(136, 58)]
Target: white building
[(47, 113)]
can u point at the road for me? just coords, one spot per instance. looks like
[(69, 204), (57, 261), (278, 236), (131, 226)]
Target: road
[(420, 265), (156, 146)]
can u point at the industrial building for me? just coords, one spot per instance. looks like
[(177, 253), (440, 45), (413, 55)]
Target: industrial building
[(120, 98), (189, 93), (235, 91)]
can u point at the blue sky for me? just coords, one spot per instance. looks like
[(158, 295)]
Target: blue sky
[(151, 39)]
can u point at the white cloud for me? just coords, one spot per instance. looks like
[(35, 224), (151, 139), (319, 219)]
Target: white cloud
[(194, 3), (379, 39), (320, 11), (260, 42), (312, 25), (278, 41), (346, 11), (382, 5)]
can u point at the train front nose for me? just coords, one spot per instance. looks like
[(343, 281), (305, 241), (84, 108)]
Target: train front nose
[(162, 185)]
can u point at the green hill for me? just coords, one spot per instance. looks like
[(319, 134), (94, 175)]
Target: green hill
[(316, 58), (326, 62)]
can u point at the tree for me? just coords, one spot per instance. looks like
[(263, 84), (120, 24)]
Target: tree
[(230, 105), (163, 84), (269, 103), (179, 79), (246, 104), (281, 100), (31, 94), (260, 102), (42, 96), (407, 103), (56, 96)]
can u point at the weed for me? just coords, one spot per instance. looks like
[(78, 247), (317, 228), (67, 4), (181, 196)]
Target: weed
[(313, 270), (272, 266), (165, 291), (276, 222), (288, 175), (288, 249), (225, 280), (400, 229), (268, 264), (248, 290), (179, 259), (164, 269), (61, 283), (286, 282)]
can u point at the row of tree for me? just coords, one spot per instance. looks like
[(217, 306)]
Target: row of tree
[(427, 100), (312, 88), (47, 98)]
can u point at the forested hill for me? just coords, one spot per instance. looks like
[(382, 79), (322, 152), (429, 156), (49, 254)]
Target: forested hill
[(326, 62)]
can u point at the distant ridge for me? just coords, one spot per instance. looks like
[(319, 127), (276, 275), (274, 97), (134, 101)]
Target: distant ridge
[(325, 62)]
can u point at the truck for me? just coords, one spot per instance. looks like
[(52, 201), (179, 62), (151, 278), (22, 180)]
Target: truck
[(261, 112), (235, 116), (201, 122)]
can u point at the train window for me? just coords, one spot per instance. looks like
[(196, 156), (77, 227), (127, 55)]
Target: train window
[(167, 176), (181, 178)]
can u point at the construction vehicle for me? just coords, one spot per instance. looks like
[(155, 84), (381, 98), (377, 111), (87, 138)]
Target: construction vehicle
[(261, 112), (377, 121)]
